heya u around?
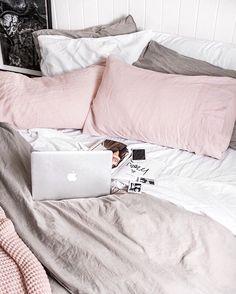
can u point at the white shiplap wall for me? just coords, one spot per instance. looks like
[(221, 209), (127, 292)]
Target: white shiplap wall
[(204, 19)]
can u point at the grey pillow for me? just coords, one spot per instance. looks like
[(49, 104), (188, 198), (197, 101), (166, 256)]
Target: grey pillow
[(125, 25), (233, 139), (159, 58)]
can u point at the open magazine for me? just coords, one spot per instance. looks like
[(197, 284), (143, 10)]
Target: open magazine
[(129, 173), (120, 150)]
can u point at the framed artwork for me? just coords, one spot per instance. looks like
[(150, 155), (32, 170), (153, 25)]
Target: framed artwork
[(18, 19)]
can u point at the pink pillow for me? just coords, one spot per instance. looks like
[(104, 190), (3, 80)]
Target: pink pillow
[(185, 112), (62, 101)]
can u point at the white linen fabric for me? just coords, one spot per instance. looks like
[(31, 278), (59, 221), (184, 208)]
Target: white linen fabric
[(217, 53), (60, 54), (199, 184)]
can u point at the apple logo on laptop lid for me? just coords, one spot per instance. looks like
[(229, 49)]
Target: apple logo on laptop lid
[(72, 177)]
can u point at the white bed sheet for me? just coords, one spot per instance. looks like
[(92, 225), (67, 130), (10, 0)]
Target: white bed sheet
[(197, 183)]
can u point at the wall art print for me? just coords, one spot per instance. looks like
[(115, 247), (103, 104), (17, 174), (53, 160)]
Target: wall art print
[(18, 19)]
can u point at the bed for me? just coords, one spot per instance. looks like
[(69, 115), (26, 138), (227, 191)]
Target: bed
[(178, 236)]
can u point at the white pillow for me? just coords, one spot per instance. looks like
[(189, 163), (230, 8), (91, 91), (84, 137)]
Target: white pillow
[(217, 53), (61, 55)]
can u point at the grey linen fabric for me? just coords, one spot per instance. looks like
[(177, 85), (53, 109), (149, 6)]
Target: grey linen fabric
[(232, 143), (125, 25), (161, 59), (120, 243)]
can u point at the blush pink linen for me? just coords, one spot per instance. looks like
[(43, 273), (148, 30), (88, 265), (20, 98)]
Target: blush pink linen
[(196, 114), (20, 271), (61, 101)]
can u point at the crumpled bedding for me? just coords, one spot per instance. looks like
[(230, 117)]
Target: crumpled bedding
[(200, 184), (120, 243)]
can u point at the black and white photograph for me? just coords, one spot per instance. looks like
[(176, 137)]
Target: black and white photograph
[(18, 19), (135, 187), (146, 181)]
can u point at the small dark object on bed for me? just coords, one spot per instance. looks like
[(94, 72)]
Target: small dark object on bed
[(138, 154)]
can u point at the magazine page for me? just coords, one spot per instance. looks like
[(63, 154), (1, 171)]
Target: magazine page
[(119, 150)]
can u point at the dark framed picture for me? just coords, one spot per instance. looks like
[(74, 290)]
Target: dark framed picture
[(18, 19)]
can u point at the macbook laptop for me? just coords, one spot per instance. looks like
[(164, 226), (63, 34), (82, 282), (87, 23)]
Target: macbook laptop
[(65, 175)]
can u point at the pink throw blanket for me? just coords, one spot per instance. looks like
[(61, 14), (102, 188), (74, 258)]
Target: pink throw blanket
[(20, 271)]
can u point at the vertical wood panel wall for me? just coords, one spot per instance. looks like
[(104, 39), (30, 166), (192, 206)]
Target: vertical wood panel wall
[(205, 19)]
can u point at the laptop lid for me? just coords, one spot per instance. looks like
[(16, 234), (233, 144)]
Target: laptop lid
[(65, 175)]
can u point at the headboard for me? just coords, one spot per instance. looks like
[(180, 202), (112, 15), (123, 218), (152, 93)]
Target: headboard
[(201, 19)]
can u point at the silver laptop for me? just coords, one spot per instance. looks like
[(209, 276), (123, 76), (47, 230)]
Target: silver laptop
[(65, 175)]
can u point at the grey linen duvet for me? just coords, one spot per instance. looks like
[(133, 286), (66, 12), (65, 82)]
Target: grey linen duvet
[(120, 243)]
